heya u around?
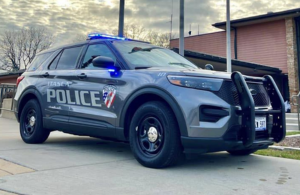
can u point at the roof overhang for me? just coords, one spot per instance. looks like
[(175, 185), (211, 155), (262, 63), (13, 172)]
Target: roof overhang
[(219, 63), (272, 16), (14, 73)]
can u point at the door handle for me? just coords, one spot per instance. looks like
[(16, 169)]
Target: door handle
[(82, 76), (46, 74)]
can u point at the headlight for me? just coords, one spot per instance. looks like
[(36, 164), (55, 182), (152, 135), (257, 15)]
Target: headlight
[(196, 82)]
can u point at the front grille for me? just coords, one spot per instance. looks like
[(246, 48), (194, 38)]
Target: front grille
[(229, 94)]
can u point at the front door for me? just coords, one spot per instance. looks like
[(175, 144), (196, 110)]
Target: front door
[(93, 92)]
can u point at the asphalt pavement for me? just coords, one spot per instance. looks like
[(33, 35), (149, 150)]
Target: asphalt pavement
[(67, 164)]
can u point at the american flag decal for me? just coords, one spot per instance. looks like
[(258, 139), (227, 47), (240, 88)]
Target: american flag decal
[(109, 95)]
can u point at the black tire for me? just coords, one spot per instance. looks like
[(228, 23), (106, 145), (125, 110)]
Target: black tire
[(32, 132), (167, 149), (242, 152)]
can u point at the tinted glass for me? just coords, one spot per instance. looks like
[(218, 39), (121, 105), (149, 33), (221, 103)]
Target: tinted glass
[(69, 58), (38, 61), (93, 51), (54, 62), (139, 54)]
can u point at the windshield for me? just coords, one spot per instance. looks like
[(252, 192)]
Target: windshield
[(143, 55)]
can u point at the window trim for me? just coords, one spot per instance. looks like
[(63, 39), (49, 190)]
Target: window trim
[(61, 52)]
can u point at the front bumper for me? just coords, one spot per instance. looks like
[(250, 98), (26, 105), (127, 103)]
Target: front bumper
[(204, 145), (244, 136)]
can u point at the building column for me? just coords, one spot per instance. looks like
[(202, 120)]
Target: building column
[(292, 61)]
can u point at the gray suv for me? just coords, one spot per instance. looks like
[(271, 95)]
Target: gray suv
[(163, 105)]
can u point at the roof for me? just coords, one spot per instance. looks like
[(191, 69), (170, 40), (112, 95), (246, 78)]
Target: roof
[(85, 42), (235, 62), (19, 72), (270, 16)]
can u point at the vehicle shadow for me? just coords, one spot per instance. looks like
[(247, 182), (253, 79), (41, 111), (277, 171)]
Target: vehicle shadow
[(98, 147)]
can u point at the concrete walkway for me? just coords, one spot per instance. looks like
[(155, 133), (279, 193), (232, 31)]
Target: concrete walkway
[(68, 164)]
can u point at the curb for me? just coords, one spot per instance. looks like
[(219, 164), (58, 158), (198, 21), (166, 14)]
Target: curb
[(298, 135), (282, 148)]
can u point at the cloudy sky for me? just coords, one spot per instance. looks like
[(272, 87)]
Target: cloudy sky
[(67, 19)]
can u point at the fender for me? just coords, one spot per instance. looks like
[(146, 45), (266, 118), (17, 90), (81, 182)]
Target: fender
[(162, 94), (29, 90)]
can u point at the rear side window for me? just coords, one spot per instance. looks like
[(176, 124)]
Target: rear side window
[(38, 61), (54, 62), (68, 59)]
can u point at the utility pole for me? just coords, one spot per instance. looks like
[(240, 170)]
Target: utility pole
[(171, 28), (121, 18), (228, 34), (181, 28)]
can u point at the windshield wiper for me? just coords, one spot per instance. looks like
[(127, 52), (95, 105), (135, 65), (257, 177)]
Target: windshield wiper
[(182, 64), (142, 67), (145, 49)]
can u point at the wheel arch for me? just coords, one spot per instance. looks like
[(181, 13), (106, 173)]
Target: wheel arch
[(142, 96), (28, 94)]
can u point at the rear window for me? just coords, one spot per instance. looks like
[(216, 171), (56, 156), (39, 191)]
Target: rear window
[(38, 61), (68, 58)]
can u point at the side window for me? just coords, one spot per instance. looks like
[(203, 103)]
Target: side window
[(68, 58), (93, 51), (54, 62), (38, 61)]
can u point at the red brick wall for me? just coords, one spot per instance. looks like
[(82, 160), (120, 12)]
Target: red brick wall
[(9, 79), (212, 43), (263, 43)]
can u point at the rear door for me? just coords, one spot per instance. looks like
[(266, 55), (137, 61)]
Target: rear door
[(95, 91), (56, 87)]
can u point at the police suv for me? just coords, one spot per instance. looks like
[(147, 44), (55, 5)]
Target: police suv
[(163, 105)]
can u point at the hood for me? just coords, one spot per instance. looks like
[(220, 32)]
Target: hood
[(192, 72), (207, 73)]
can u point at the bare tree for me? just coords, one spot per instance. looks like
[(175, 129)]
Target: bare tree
[(79, 37), (159, 39), (18, 48)]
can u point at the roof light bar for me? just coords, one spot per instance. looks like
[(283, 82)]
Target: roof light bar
[(104, 36)]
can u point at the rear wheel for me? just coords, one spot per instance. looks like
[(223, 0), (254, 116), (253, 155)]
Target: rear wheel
[(31, 123), (242, 152), (154, 136)]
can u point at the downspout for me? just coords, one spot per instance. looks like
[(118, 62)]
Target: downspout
[(235, 43), (297, 23)]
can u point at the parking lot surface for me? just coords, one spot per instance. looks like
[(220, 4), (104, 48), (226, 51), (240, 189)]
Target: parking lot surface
[(67, 164)]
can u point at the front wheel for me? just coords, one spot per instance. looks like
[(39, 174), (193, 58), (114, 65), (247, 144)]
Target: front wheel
[(154, 136), (31, 123), (242, 152)]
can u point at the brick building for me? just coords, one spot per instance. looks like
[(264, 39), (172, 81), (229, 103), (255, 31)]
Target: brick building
[(10, 77), (270, 40)]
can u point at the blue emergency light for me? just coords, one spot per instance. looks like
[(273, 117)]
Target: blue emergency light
[(92, 36)]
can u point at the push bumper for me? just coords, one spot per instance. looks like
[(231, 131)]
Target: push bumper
[(246, 137)]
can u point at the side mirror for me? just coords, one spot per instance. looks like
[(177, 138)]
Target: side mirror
[(209, 67), (103, 62)]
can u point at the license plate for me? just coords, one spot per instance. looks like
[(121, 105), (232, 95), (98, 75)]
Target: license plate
[(260, 123)]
